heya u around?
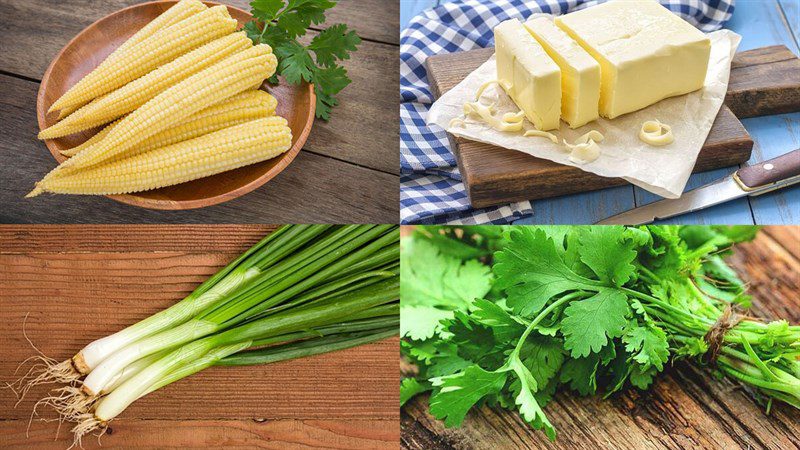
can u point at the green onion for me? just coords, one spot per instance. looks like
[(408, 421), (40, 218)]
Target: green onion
[(303, 290)]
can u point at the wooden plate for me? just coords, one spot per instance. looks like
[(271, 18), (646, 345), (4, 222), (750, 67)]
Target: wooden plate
[(92, 45)]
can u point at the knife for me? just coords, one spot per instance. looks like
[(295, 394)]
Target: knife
[(753, 180)]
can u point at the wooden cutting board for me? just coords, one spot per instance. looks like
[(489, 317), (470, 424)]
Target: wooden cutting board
[(763, 81)]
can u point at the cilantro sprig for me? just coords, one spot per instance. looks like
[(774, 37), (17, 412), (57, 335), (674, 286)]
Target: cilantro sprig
[(281, 23), (507, 318)]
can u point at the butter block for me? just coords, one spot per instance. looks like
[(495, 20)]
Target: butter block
[(580, 72), (532, 79), (646, 53)]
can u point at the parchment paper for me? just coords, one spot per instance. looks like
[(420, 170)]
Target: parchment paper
[(661, 170)]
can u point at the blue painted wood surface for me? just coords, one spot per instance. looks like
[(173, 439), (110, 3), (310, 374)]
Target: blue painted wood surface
[(761, 23)]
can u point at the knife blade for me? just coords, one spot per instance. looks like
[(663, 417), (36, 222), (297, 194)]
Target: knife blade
[(752, 180)]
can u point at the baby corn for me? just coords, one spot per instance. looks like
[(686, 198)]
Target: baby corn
[(213, 153), (230, 76), (154, 51), (181, 10), (248, 105), (138, 92)]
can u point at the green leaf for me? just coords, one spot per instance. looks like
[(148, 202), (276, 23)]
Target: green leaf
[(580, 374), (543, 356), (411, 387), (252, 31), (455, 395), (295, 63), (529, 408), (265, 10), (432, 281), (327, 83), (640, 377), (421, 322), (504, 326), (531, 271), (589, 323), (648, 345), (608, 253), (334, 44), (300, 14)]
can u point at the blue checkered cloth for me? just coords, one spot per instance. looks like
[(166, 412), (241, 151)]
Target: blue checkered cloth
[(431, 189)]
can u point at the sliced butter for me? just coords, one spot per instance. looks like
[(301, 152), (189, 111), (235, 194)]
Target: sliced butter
[(646, 53), (580, 72), (529, 75)]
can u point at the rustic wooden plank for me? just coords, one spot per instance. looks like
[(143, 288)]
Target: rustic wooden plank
[(365, 127), (686, 407), (312, 189), (228, 239), (32, 44), (766, 82), (786, 237), (88, 287), (214, 434)]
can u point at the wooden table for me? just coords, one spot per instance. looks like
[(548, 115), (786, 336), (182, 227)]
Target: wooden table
[(78, 283), (761, 23), (685, 408), (347, 172)]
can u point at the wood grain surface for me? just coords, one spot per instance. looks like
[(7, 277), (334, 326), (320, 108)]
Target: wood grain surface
[(346, 173), (78, 283), (686, 408), (495, 175)]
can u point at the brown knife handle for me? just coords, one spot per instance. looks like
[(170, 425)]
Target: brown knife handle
[(772, 171)]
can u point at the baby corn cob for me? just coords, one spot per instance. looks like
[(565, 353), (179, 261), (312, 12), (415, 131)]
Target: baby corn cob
[(223, 80), (227, 149), (154, 51), (181, 10), (139, 91), (248, 105)]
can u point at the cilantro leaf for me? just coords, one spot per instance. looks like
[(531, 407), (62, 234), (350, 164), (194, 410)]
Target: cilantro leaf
[(608, 253), (334, 44), (266, 10), (581, 374), (648, 345), (295, 62), (589, 323), (411, 387), (455, 395), (328, 82), (421, 322), (280, 23), (430, 280), (531, 271), (528, 406), (504, 326)]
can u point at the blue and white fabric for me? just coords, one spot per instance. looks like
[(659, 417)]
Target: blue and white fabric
[(431, 189)]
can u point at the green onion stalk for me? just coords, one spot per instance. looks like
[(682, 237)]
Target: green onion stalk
[(701, 318), (303, 290)]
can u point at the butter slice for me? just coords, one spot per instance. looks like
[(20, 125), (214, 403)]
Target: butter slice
[(646, 53), (531, 77), (580, 73)]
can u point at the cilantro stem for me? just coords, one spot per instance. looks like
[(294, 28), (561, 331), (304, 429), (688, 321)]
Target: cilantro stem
[(542, 315)]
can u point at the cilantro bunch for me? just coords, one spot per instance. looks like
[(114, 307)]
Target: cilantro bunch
[(508, 316), (280, 23)]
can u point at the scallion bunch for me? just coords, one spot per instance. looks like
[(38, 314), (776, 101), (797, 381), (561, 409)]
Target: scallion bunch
[(302, 290)]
